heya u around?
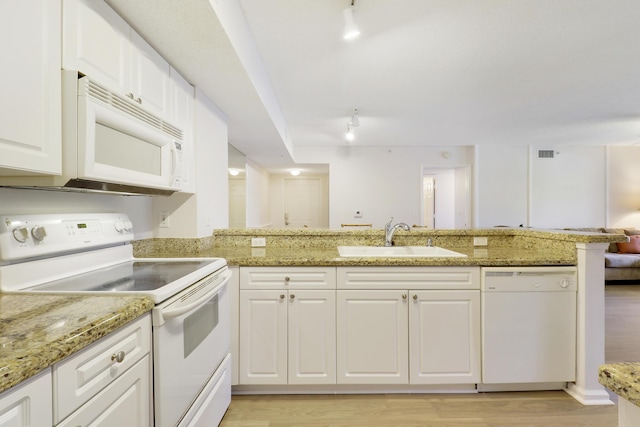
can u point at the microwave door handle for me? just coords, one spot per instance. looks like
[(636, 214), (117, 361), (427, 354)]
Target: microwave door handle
[(171, 313), (174, 162)]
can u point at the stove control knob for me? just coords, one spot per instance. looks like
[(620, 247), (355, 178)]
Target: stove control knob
[(128, 226), (21, 234), (119, 225), (38, 232)]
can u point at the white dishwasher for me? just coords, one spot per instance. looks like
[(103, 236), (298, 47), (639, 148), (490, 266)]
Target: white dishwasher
[(528, 325)]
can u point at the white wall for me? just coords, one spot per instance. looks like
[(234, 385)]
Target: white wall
[(623, 187), (501, 185), (569, 189), (258, 196), (379, 182)]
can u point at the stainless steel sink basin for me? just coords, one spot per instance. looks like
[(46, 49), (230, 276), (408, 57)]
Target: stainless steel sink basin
[(396, 251)]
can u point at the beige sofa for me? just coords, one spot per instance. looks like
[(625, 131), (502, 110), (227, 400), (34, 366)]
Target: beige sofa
[(618, 266)]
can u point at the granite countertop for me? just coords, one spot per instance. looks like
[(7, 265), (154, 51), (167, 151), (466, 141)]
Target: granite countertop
[(37, 331), (623, 379), (276, 256)]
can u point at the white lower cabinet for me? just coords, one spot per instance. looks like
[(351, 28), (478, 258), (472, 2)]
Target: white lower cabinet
[(287, 325), (287, 337), (372, 337), (444, 337), (108, 383), (125, 402), (381, 325), (27, 404)]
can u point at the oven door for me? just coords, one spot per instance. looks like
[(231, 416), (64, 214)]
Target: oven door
[(191, 336)]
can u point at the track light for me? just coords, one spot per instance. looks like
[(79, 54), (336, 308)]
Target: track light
[(295, 172), (350, 134), (353, 123), (351, 30)]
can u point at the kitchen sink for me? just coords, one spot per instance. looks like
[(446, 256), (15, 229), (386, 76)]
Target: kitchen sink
[(396, 251)]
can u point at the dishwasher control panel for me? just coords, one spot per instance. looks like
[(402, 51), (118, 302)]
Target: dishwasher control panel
[(529, 279)]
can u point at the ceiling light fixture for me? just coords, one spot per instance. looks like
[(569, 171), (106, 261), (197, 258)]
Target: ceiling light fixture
[(351, 30), (295, 172), (353, 123), (234, 171)]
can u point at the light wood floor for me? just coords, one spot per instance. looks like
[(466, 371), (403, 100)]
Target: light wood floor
[(548, 409)]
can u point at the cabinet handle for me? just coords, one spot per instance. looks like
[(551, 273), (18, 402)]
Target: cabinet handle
[(292, 296), (415, 297), (281, 296), (118, 357), (404, 296), (130, 95), (286, 280), (139, 101)]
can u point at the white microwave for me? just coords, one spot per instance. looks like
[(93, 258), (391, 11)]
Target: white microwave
[(111, 144)]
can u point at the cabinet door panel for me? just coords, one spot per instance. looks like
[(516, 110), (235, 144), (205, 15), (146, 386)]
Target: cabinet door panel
[(96, 42), (372, 330), (149, 77), (30, 116), (263, 337), (312, 337), (27, 404), (445, 337)]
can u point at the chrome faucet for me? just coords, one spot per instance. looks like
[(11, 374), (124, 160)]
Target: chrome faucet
[(390, 230)]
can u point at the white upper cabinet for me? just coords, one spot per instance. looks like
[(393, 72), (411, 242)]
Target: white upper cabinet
[(30, 111), (97, 42)]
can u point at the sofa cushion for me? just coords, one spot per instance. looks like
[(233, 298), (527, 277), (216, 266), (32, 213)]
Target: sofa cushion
[(630, 247), (613, 260)]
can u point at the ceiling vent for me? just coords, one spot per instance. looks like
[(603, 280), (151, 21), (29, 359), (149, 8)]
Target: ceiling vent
[(545, 154)]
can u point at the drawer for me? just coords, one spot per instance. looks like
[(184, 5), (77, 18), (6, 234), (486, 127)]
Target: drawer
[(287, 278), (408, 278), (81, 376), (124, 402)]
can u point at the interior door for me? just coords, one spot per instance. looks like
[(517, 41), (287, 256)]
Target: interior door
[(303, 203)]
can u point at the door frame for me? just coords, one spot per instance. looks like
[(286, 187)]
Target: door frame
[(462, 195)]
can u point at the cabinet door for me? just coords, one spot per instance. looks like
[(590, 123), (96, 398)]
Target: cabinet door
[(96, 42), (149, 77), (312, 337), (372, 337), (27, 404), (30, 116), (263, 337), (125, 402), (444, 337)]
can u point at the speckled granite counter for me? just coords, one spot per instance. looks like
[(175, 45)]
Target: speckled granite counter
[(623, 379), (37, 331), (311, 247)]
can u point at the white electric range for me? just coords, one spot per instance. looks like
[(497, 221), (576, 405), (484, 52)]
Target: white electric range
[(91, 254)]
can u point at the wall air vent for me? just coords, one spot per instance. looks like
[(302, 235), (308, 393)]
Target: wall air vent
[(545, 154)]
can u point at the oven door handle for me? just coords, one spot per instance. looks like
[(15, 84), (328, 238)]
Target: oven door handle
[(178, 311)]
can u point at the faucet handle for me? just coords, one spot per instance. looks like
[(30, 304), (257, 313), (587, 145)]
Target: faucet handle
[(388, 225)]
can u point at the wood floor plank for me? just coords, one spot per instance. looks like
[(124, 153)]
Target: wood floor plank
[(513, 409)]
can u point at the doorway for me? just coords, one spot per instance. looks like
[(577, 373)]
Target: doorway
[(305, 203), (446, 197)]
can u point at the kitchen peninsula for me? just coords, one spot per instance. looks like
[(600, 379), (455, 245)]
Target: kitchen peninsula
[(499, 247)]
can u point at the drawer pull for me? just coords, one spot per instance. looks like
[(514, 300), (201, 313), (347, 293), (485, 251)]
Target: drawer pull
[(118, 357), (287, 279)]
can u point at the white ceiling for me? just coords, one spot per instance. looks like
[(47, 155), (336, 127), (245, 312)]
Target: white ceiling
[(422, 72)]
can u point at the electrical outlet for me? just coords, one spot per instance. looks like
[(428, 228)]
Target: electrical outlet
[(164, 220), (357, 214), (258, 242), (480, 241)]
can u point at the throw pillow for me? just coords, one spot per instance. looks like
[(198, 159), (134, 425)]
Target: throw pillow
[(630, 247)]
